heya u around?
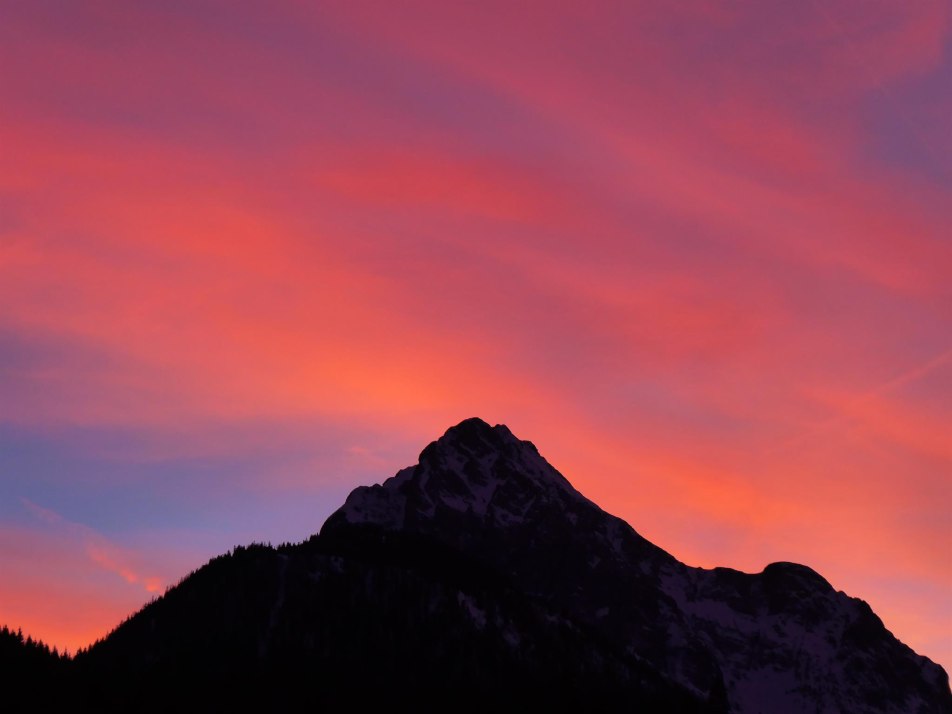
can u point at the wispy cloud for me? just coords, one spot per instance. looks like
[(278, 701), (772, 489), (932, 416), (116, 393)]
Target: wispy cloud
[(97, 548)]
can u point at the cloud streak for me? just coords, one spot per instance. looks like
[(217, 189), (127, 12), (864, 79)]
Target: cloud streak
[(97, 548)]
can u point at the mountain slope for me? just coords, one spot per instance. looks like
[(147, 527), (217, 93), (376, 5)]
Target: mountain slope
[(373, 619), (27, 666)]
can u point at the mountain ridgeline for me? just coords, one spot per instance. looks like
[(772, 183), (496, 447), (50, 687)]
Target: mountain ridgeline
[(480, 578)]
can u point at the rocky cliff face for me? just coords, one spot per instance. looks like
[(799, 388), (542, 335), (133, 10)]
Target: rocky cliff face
[(779, 641)]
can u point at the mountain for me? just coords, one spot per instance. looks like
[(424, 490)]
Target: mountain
[(480, 578), (779, 641)]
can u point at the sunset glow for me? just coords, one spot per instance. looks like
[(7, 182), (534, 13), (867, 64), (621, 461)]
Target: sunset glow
[(253, 255)]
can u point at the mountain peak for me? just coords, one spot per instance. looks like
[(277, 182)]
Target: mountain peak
[(474, 436), (473, 470), (474, 426)]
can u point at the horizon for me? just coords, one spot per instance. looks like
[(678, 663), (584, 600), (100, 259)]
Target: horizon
[(253, 257)]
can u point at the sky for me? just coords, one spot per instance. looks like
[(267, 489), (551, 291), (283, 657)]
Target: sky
[(255, 254)]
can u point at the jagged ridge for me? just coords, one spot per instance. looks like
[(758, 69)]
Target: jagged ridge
[(782, 640)]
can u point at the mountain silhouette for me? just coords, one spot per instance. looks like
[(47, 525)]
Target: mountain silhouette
[(480, 578)]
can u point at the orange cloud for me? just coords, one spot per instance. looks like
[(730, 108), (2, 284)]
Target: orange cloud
[(97, 548)]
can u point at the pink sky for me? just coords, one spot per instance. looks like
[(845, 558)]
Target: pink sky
[(255, 254)]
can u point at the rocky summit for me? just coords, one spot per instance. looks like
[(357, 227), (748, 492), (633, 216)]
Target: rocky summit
[(778, 641)]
